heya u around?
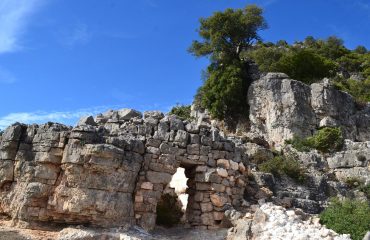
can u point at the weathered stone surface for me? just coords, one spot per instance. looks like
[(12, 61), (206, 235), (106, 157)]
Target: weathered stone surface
[(127, 114), (114, 172), (219, 200), (281, 108), (275, 222), (89, 120), (158, 177)]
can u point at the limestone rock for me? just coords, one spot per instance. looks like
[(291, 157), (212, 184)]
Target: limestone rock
[(89, 120), (281, 108)]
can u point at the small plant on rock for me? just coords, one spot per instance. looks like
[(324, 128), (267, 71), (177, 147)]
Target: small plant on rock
[(327, 139), (182, 111), (302, 145), (347, 217), (284, 166)]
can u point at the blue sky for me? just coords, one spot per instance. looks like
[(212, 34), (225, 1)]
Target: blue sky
[(63, 59)]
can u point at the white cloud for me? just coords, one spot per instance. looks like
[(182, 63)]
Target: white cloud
[(14, 16), (66, 117), (6, 77), (70, 117)]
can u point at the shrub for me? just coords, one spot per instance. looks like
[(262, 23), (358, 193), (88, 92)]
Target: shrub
[(300, 144), (365, 189), (282, 166), (325, 140), (182, 111), (168, 211), (305, 65), (360, 90), (347, 217)]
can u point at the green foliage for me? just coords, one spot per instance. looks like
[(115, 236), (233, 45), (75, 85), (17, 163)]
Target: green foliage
[(360, 50), (168, 211), (265, 57), (231, 41), (224, 92), (331, 48), (325, 140), (305, 65), (360, 90), (311, 60), (347, 217), (224, 36), (284, 166), (300, 144), (182, 111), (365, 189)]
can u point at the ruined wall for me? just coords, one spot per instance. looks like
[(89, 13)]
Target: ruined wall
[(112, 170)]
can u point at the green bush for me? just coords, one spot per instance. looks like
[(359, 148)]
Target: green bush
[(282, 166), (169, 212), (224, 92), (327, 139), (300, 144), (182, 111), (347, 217), (360, 90), (305, 65), (365, 189)]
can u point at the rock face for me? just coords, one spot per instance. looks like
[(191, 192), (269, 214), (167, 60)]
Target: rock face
[(281, 108), (353, 162), (112, 170)]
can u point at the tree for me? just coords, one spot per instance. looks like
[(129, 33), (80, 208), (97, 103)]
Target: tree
[(224, 36), (332, 48), (360, 50), (266, 57)]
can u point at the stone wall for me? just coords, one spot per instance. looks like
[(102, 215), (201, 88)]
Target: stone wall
[(112, 170)]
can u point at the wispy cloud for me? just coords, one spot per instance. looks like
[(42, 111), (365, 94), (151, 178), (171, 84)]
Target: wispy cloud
[(66, 117), (14, 16), (6, 77), (70, 117), (79, 34)]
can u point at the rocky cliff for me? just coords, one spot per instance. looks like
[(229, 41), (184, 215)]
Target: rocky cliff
[(112, 169), (281, 108)]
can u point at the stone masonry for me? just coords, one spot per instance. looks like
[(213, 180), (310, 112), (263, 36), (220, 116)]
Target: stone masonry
[(112, 170)]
